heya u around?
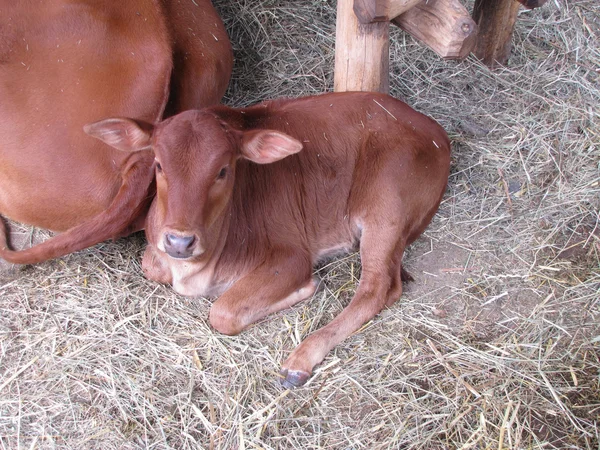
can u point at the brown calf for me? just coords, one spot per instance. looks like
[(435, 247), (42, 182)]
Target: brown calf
[(65, 63), (249, 200)]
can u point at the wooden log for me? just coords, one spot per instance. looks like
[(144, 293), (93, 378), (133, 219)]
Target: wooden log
[(369, 11), (496, 21), (445, 26), (361, 52), (397, 7), (530, 4)]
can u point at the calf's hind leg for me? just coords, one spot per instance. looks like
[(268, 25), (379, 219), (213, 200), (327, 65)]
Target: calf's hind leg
[(281, 281), (380, 284)]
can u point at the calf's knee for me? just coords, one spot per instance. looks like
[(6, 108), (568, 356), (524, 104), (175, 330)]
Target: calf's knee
[(224, 320)]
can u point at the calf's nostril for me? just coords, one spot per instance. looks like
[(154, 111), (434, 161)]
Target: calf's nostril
[(189, 241)]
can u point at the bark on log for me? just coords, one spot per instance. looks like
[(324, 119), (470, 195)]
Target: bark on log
[(361, 52), (443, 25), (496, 21), (369, 11)]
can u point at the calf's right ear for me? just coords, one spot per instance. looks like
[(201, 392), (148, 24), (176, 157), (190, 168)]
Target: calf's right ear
[(127, 135), (267, 146)]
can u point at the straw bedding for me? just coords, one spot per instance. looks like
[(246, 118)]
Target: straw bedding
[(495, 345)]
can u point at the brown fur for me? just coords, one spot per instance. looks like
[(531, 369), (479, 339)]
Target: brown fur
[(249, 200), (65, 63)]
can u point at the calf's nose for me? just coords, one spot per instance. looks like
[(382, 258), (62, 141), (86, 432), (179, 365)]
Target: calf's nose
[(179, 246)]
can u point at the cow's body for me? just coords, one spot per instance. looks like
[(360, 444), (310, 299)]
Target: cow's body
[(67, 63)]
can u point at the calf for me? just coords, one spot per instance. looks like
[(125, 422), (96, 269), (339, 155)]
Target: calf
[(249, 200), (65, 63)]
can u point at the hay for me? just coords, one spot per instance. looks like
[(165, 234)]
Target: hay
[(495, 345)]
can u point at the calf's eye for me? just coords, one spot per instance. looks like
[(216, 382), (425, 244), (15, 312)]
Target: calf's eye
[(222, 173), (158, 167)]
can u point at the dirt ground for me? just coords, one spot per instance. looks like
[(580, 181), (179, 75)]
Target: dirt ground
[(494, 345)]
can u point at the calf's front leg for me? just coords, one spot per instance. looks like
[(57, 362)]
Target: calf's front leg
[(380, 284), (283, 280), (155, 267)]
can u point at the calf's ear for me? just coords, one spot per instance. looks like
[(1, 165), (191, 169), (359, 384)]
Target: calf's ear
[(267, 146), (127, 135)]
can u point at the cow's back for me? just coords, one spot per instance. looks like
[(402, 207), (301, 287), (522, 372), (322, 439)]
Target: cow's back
[(202, 55), (64, 64)]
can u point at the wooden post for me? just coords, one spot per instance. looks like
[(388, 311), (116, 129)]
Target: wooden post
[(496, 21), (443, 25), (361, 52)]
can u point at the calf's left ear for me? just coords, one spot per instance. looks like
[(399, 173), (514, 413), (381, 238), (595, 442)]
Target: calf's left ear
[(267, 146), (127, 135)]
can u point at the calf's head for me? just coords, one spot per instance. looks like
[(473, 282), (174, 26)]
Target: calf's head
[(195, 161)]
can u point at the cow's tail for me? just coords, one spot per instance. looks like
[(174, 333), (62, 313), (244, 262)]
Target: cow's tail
[(130, 203)]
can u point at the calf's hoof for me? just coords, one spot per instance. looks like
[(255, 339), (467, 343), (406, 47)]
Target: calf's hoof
[(293, 378)]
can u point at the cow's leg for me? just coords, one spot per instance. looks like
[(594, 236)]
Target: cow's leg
[(380, 284), (280, 282), (398, 275)]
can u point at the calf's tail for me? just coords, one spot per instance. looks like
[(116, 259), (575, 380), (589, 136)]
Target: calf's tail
[(130, 203)]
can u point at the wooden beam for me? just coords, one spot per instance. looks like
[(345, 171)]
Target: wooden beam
[(397, 7), (369, 11), (443, 25), (496, 21), (361, 52)]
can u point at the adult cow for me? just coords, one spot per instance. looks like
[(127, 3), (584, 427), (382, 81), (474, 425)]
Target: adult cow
[(248, 200), (65, 63)]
